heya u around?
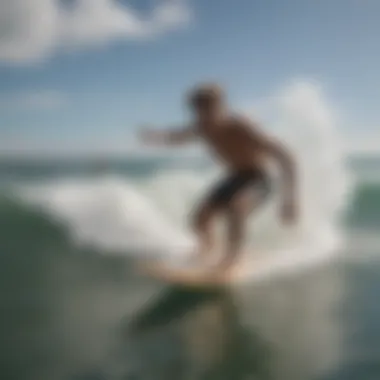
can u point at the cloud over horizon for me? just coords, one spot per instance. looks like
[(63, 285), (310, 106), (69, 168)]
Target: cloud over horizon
[(33, 30), (32, 100)]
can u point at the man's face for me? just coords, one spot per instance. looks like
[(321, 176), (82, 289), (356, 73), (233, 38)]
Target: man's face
[(207, 112)]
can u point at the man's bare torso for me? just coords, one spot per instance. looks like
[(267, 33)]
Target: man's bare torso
[(228, 141)]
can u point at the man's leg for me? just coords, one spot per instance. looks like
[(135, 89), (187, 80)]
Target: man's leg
[(203, 224), (238, 212)]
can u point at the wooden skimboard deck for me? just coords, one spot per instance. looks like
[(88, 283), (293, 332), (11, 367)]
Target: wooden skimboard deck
[(188, 276)]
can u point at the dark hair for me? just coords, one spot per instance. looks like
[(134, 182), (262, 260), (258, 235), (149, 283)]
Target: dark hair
[(206, 94)]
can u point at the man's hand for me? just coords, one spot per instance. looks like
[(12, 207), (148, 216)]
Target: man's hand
[(167, 137), (150, 136)]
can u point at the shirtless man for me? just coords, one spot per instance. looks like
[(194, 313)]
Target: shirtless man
[(243, 149)]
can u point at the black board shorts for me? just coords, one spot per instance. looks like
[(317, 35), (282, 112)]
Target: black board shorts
[(224, 192)]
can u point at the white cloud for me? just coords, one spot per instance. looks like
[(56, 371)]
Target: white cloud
[(32, 30), (36, 100)]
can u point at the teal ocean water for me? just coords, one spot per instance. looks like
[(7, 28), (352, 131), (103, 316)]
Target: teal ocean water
[(72, 308)]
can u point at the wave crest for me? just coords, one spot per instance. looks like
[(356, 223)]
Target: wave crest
[(150, 215)]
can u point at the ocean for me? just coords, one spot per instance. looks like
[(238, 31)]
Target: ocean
[(72, 307)]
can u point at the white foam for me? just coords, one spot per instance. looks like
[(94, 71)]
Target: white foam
[(151, 215)]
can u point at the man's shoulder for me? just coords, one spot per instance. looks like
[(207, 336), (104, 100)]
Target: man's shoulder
[(241, 120)]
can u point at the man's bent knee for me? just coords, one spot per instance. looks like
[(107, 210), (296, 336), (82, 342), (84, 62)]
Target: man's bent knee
[(203, 218), (241, 206)]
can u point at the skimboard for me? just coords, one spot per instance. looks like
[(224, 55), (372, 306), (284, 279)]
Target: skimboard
[(193, 276)]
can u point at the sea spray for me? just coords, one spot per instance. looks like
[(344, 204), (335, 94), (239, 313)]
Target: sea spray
[(151, 214)]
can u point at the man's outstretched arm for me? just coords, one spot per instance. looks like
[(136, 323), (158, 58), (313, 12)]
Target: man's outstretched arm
[(168, 137)]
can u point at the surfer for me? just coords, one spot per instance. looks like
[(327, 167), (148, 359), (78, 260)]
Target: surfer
[(243, 149)]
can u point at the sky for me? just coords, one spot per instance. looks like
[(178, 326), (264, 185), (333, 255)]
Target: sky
[(82, 72)]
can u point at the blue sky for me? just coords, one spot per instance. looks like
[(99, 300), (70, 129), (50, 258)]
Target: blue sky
[(76, 70)]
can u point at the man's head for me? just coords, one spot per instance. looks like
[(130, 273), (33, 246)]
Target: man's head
[(207, 101)]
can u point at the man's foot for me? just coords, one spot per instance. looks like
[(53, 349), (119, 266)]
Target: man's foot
[(229, 263), (201, 258), (222, 270)]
